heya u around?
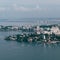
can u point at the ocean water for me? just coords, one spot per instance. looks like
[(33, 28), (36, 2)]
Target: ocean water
[(12, 50)]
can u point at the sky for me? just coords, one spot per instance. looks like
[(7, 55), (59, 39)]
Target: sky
[(29, 9)]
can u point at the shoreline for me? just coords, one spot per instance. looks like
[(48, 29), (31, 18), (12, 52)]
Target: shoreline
[(33, 38), (39, 33)]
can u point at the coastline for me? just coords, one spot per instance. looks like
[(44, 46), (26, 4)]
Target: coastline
[(49, 34)]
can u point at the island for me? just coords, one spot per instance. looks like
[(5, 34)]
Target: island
[(49, 34)]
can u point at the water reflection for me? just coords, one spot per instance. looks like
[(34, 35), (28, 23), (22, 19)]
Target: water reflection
[(23, 44), (28, 51)]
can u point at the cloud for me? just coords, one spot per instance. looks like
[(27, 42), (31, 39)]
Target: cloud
[(2, 9), (18, 8), (22, 8), (15, 7)]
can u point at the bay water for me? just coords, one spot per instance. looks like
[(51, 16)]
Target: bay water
[(12, 50)]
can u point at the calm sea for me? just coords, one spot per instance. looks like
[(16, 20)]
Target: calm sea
[(12, 50)]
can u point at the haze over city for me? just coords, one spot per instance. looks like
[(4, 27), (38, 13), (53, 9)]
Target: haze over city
[(29, 8)]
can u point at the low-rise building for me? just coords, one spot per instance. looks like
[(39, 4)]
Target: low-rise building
[(15, 27), (55, 29)]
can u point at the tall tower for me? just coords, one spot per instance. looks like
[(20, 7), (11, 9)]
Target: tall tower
[(38, 27), (38, 30)]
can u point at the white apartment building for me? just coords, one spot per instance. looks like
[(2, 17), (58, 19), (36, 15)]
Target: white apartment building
[(55, 30), (38, 30)]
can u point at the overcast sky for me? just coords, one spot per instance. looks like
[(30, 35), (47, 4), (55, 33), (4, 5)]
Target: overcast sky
[(29, 8)]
